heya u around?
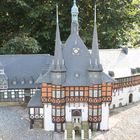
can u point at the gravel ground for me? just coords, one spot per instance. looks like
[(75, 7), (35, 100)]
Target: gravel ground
[(124, 124), (14, 125)]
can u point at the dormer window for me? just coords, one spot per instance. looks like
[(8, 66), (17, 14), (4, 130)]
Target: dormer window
[(138, 70), (14, 82), (1, 71), (22, 82), (133, 71), (30, 82)]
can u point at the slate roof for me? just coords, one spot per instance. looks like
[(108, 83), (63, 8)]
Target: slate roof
[(24, 67), (35, 101), (77, 60), (119, 62), (76, 64)]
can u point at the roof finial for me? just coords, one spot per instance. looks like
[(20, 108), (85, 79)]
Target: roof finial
[(95, 13), (57, 20)]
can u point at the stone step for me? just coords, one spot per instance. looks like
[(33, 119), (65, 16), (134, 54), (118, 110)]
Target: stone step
[(69, 128), (85, 127)]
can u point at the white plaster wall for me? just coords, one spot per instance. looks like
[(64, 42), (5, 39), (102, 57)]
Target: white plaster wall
[(104, 125), (82, 106), (122, 96), (48, 125)]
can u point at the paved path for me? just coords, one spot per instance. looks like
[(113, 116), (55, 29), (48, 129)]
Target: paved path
[(13, 126), (124, 124)]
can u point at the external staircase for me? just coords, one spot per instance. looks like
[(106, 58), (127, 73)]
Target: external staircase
[(85, 127)]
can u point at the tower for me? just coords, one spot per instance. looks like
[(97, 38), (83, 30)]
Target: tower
[(101, 88)]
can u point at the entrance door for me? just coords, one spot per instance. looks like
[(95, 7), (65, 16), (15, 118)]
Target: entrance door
[(130, 98), (76, 116)]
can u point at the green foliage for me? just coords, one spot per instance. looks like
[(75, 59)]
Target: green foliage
[(116, 20), (21, 45)]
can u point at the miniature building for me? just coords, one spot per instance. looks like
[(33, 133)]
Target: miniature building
[(75, 92), (70, 90), (18, 74)]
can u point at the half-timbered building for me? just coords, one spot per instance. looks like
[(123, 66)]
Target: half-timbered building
[(75, 91), (75, 88), (18, 74)]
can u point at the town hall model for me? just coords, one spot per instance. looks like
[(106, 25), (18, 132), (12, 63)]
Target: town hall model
[(75, 91), (70, 91)]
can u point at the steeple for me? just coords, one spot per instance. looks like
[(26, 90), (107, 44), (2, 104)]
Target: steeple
[(74, 15), (58, 67), (58, 45), (95, 59)]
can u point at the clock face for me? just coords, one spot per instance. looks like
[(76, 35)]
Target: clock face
[(76, 51)]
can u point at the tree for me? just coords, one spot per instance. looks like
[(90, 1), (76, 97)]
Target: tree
[(21, 45), (36, 18)]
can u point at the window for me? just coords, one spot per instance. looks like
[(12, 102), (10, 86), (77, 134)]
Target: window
[(12, 94), (81, 93), (58, 126), (71, 93), (100, 92), (95, 93), (90, 112), (36, 111), (22, 82), (1, 95), (95, 112), (58, 112), (9, 94), (41, 111), (30, 82), (31, 110), (76, 93), (62, 112), (99, 111), (62, 94), (20, 94), (53, 94), (5, 95), (90, 93), (53, 112), (14, 82), (16, 94), (58, 95)]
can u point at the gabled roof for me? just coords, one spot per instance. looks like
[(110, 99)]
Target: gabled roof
[(27, 67), (76, 56), (35, 101), (119, 62)]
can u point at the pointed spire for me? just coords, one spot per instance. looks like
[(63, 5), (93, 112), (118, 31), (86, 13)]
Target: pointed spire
[(95, 59), (57, 63), (58, 48)]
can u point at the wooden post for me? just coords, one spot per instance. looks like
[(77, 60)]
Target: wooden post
[(82, 134), (31, 124), (65, 135), (73, 134), (89, 134)]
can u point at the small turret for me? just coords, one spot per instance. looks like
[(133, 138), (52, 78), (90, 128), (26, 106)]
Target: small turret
[(74, 12), (74, 15)]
